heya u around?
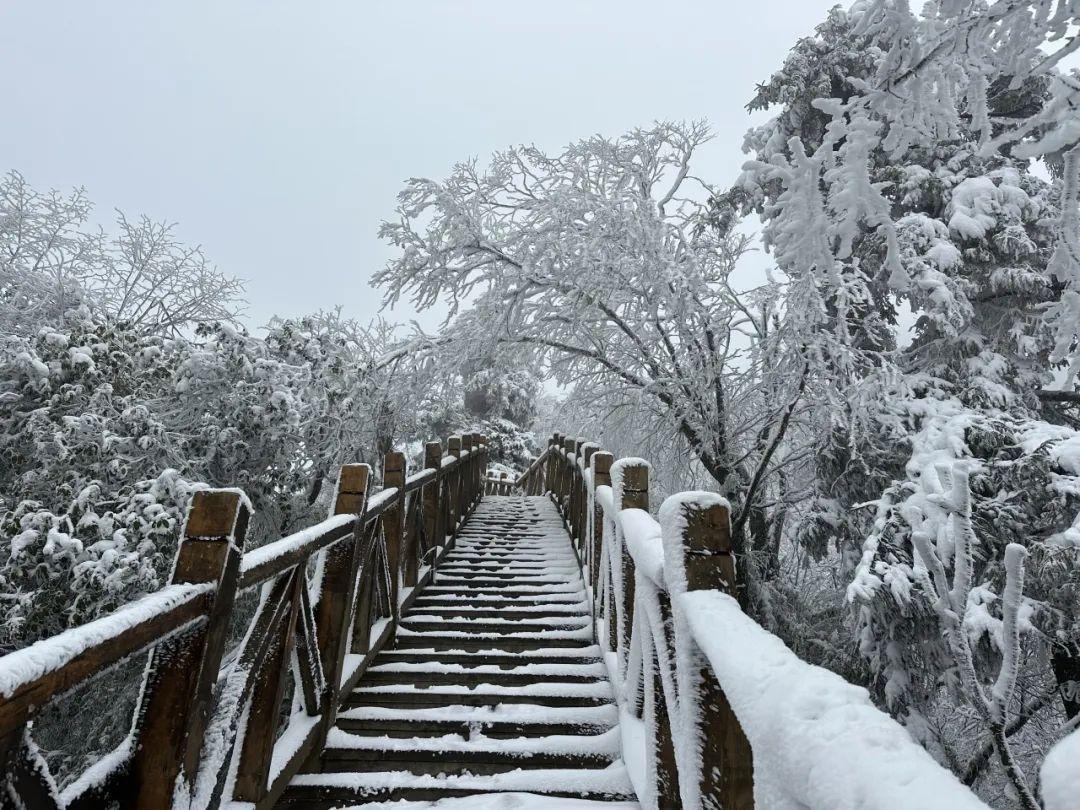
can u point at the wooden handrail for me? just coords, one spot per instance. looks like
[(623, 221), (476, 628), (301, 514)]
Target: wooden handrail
[(51, 667), (273, 559), (378, 552), (534, 468), (643, 577)]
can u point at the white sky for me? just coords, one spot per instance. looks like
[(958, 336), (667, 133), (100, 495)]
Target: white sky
[(277, 134)]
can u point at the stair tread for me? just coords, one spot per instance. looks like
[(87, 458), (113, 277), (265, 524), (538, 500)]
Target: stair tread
[(521, 713), (612, 780), (605, 744)]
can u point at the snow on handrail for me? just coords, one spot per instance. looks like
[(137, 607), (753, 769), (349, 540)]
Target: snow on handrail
[(173, 607), (640, 532), (537, 462), (273, 558), (605, 498), (418, 479), (803, 721), (381, 500)]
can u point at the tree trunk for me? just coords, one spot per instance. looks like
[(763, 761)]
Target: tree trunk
[(316, 488), (1065, 662)]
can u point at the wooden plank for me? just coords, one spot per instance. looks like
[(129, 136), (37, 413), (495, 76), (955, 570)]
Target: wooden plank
[(313, 684), (663, 744), (453, 494)]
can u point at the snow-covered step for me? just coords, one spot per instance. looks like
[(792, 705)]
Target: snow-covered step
[(605, 744), (324, 790), (494, 684), (597, 717), (426, 623), (467, 642), (480, 600), (497, 577), (564, 570), (509, 632), (501, 587), (582, 653), (570, 592), (594, 670), (424, 678), (548, 694), (474, 754), (507, 612)]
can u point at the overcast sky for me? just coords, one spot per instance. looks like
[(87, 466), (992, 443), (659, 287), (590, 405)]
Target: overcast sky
[(277, 134)]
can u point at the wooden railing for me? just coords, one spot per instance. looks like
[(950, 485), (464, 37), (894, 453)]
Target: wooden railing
[(330, 596), (530, 482), (501, 484), (683, 655)]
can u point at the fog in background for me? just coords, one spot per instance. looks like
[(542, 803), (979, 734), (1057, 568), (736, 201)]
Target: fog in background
[(277, 134)]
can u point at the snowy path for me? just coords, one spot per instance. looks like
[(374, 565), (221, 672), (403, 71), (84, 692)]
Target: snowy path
[(494, 695)]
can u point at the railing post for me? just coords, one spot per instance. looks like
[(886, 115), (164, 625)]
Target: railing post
[(337, 597), (474, 463), (481, 465), (433, 528), (25, 780), (551, 469), (631, 491), (453, 486), (566, 484), (393, 520), (584, 505), (700, 557), (466, 474), (576, 480), (175, 704), (560, 470), (601, 467), (571, 492)]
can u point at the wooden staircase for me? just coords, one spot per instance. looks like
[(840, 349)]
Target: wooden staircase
[(494, 684)]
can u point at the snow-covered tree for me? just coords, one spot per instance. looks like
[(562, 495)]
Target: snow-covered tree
[(923, 260), (500, 400), (104, 432), (594, 262), (52, 260), (92, 499)]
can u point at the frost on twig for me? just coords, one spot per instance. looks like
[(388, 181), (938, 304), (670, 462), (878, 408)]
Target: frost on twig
[(950, 601)]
